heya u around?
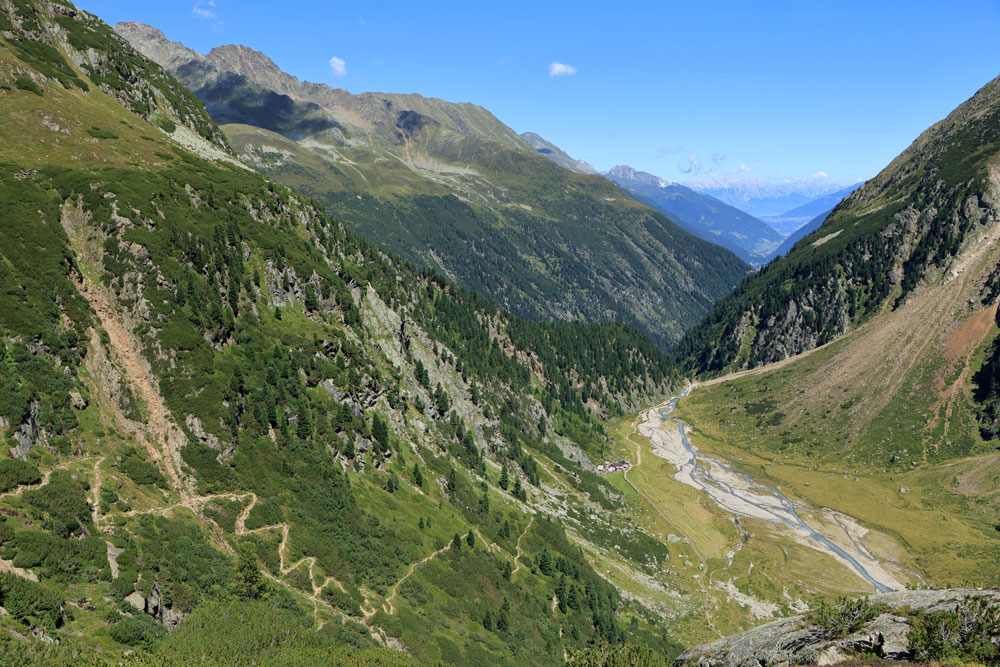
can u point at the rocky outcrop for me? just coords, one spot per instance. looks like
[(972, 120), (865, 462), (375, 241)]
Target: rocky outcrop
[(152, 605), (797, 641), (29, 432)]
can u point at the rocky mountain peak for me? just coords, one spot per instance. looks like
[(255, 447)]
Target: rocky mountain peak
[(255, 66), (624, 172), (153, 44)]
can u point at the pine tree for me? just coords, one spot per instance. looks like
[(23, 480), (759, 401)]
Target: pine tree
[(312, 303), (250, 583), (420, 524), (452, 482), (349, 448), (380, 432), (508, 570), (304, 428), (456, 542), (545, 563), (504, 477), (470, 539), (488, 620), (503, 618), (418, 478)]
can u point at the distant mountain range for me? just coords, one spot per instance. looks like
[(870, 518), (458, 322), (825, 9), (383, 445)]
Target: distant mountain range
[(793, 220), (762, 199), (752, 240)]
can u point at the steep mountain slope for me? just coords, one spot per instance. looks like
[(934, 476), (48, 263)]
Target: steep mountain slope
[(902, 231), (556, 154), (762, 198), (232, 420), (450, 187), (800, 233), (753, 241), (792, 221)]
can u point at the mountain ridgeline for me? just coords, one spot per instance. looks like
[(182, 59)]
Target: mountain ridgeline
[(900, 231), (750, 239), (227, 415), (448, 186)]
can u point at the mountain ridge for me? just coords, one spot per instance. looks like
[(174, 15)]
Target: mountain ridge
[(753, 240), (440, 184), (903, 226)]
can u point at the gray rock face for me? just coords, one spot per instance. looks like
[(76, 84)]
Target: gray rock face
[(29, 432), (152, 605), (794, 641)]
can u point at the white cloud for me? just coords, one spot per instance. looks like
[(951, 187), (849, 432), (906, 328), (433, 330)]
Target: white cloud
[(663, 152), (338, 67), (206, 11), (820, 174), (692, 167), (717, 158), (561, 69)]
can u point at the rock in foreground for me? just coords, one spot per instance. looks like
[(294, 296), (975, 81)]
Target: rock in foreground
[(801, 640)]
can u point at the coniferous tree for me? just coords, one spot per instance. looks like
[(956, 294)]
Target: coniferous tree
[(418, 478), (380, 432), (504, 477), (456, 542), (470, 539), (312, 303), (250, 583), (545, 563), (503, 618)]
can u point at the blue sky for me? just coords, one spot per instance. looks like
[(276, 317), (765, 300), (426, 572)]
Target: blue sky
[(770, 90)]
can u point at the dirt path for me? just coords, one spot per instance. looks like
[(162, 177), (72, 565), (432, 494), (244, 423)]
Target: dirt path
[(14, 493), (413, 568), (517, 556)]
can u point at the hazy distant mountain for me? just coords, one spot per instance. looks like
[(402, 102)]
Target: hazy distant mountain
[(713, 220), (761, 198), (793, 220), (802, 232), (556, 154)]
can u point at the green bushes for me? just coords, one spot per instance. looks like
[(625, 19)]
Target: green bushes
[(63, 502), (138, 631), (845, 617), (15, 473), (971, 633), (29, 602), (24, 83), (142, 472), (98, 133)]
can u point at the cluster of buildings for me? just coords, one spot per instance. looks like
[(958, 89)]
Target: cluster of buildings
[(614, 466)]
